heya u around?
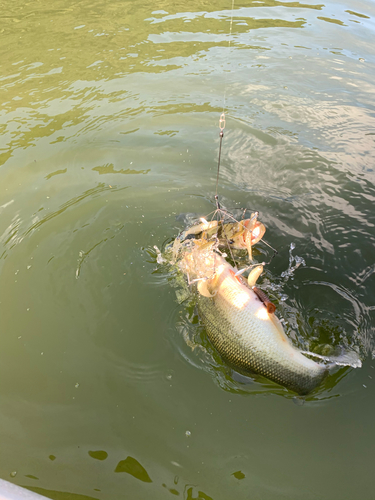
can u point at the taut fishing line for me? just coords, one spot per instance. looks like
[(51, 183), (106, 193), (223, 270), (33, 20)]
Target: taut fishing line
[(224, 227), (222, 116), (220, 213)]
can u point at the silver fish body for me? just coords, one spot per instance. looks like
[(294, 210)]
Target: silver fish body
[(240, 328)]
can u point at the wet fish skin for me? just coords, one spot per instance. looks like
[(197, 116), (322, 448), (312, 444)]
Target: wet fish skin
[(239, 327)]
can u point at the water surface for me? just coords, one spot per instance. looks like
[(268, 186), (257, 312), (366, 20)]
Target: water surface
[(109, 137)]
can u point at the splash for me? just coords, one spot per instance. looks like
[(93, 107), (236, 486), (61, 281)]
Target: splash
[(159, 258), (294, 263)]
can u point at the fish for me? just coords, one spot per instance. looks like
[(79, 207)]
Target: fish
[(241, 326)]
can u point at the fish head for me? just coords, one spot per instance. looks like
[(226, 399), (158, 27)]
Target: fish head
[(199, 259)]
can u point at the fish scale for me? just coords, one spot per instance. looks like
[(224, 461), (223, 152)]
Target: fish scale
[(243, 332)]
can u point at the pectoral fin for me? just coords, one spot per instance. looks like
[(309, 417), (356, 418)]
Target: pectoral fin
[(204, 290)]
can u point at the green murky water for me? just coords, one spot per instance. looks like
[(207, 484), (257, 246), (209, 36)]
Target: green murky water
[(109, 137)]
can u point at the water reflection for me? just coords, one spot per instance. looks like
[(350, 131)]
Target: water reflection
[(98, 455), (330, 20), (109, 168), (363, 16), (171, 490), (131, 466), (57, 172), (65, 102), (239, 475), (59, 495), (189, 493)]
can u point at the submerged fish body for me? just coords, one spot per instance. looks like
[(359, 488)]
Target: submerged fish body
[(241, 329)]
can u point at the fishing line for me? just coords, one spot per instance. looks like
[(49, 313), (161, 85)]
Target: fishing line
[(222, 116), (275, 252), (229, 45), (221, 213), (221, 135)]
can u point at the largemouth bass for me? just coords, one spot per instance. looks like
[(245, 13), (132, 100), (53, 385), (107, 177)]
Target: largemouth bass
[(247, 335)]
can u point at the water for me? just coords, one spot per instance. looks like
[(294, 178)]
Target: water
[(109, 137)]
